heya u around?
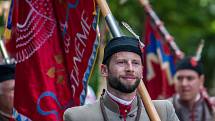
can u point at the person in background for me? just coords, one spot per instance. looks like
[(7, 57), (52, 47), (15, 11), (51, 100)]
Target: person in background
[(191, 101), (7, 83), (122, 67)]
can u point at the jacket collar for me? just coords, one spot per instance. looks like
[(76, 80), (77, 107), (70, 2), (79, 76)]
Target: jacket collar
[(113, 106)]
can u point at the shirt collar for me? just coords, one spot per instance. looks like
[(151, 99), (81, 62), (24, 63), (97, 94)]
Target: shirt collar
[(198, 96), (121, 101)]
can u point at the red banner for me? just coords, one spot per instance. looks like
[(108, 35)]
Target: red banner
[(55, 49), (159, 64)]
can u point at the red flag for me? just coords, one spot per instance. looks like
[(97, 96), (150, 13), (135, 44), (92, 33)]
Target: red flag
[(159, 64), (7, 30), (55, 49)]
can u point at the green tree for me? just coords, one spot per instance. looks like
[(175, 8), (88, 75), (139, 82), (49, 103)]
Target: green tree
[(188, 21)]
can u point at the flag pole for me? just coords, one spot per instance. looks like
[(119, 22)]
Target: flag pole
[(4, 52), (158, 23), (115, 31)]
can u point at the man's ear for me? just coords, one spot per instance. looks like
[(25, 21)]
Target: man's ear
[(104, 70)]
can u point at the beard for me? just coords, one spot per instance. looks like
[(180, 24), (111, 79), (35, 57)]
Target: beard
[(118, 85)]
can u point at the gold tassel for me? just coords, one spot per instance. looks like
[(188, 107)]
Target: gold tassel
[(7, 35)]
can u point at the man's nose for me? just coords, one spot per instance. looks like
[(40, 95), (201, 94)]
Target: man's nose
[(130, 67), (184, 82)]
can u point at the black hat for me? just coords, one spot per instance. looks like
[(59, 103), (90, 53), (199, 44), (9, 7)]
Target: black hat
[(191, 64), (119, 44), (7, 72)]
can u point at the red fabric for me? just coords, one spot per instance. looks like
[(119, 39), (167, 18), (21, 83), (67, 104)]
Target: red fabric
[(54, 41), (11, 119), (10, 45), (159, 77), (124, 110)]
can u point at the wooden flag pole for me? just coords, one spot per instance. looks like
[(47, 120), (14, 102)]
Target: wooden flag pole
[(115, 31), (153, 115)]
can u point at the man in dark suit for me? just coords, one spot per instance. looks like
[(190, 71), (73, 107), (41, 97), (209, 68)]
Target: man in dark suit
[(7, 83), (122, 67)]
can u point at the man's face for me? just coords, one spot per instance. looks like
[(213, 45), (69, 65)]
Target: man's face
[(188, 84), (6, 96), (124, 72)]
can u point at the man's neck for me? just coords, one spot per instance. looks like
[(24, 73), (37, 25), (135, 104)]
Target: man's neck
[(121, 95), (119, 100), (190, 103)]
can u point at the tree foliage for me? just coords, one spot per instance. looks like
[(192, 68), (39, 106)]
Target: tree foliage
[(188, 21)]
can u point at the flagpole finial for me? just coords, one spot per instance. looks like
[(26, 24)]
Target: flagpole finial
[(144, 2), (4, 52), (134, 34), (130, 30), (199, 50)]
